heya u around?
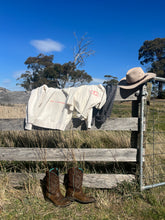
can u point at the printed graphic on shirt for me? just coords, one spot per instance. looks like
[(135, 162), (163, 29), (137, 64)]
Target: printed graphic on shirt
[(93, 92), (57, 102)]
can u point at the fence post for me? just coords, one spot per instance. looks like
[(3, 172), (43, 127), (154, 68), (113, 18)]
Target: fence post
[(135, 134), (141, 138)]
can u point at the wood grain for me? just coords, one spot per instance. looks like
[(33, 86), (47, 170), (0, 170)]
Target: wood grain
[(68, 154), (104, 181), (113, 124)]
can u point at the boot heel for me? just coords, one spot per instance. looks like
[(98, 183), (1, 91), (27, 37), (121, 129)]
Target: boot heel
[(51, 189), (74, 190)]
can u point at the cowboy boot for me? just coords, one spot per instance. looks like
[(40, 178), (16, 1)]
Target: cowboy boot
[(73, 184), (51, 189)]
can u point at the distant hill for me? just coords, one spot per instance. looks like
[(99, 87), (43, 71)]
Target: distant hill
[(4, 89), (13, 97)]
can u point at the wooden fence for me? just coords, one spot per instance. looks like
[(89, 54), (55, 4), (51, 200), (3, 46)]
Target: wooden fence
[(81, 154)]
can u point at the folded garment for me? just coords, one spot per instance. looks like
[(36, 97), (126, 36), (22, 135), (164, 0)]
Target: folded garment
[(84, 98), (53, 108), (47, 109), (100, 116)]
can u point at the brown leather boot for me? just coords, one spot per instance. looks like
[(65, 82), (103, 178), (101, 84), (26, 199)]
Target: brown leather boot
[(73, 183), (51, 189)]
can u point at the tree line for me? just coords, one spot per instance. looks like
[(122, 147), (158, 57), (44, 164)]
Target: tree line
[(42, 70)]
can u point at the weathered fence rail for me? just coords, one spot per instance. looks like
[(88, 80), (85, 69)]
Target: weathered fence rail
[(123, 124), (103, 181), (72, 154)]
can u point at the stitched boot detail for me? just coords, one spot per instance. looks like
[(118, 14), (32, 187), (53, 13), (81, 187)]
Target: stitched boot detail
[(51, 189), (74, 190)]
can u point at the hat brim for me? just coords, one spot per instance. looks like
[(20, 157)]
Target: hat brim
[(124, 85)]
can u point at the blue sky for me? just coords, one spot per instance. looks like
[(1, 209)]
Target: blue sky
[(117, 28)]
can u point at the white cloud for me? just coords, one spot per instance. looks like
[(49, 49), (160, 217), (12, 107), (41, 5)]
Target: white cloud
[(47, 45)]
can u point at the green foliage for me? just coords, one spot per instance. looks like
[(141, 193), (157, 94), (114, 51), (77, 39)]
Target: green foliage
[(110, 80), (60, 76), (153, 53), (44, 71)]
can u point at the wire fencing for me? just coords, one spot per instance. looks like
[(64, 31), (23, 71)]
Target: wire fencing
[(154, 143)]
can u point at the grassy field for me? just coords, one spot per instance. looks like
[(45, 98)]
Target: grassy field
[(154, 171), (13, 111), (123, 202)]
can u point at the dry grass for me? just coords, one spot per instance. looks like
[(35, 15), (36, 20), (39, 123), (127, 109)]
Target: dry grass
[(154, 167), (13, 111), (120, 109), (68, 139), (123, 202)]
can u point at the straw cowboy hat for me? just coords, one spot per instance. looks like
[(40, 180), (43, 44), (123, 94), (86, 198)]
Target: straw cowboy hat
[(134, 78)]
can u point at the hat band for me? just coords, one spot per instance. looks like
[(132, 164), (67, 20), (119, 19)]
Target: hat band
[(138, 80)]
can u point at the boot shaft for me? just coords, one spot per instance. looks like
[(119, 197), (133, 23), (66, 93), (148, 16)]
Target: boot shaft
[(75, 178), (52, 181), (51, 189), (74, 186)]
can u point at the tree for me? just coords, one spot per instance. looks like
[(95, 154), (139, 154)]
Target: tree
[(60, 76), (44, 71), (33, 77), (153, 53), (81, 50), (110, 80)]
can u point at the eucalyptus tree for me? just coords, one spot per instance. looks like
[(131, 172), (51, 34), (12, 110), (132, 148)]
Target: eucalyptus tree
[(152, 53)]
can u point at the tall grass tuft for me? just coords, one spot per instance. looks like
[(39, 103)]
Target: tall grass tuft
[(67, 139)]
